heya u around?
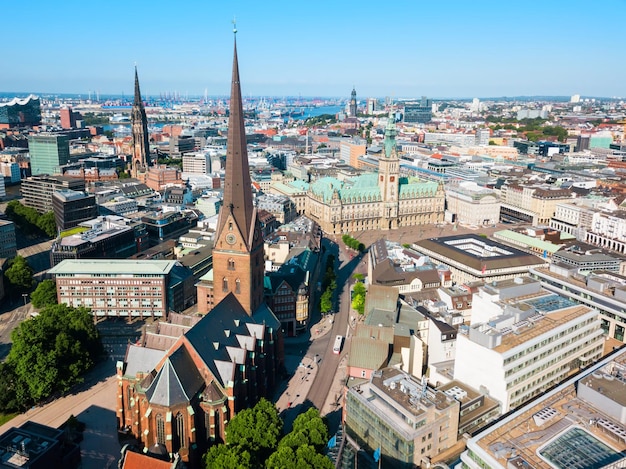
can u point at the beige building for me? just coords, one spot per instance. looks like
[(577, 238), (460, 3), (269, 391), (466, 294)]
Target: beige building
[(467, 202), (532, 204)]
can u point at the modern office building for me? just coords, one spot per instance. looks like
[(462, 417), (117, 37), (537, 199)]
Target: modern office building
[(577, 424), (197, 163), (68, 118), (418, 112), (283, 209), (408, 420), (73, 207), (106, 237), (8, 243), (124, 288), (472, 258), (162, 226), (180, 145), (20, 112), (48, 152), (523, 340), (37, 190), (600, 289)]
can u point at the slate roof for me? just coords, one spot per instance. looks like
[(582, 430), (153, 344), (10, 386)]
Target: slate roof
[(141, 359), (216, 331), (176, 382)]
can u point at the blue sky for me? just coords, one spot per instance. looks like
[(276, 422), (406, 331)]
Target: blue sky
[(318, 48)]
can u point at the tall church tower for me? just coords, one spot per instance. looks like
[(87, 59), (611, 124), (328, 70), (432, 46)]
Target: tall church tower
[(353, 103), (141, 146), (388, 178), (238, 246)]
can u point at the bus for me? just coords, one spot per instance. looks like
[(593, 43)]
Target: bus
[(338, 344)]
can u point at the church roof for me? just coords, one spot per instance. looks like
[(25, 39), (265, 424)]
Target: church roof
[(141, 359), (177, 381), (215, 337)]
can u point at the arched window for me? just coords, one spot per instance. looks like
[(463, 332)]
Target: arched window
[(179, 432), (225, 284), (237, 286), (231, 264), (160, 429)]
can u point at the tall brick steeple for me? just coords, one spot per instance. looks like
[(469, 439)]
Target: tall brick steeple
[(141, 145), (238, 248)]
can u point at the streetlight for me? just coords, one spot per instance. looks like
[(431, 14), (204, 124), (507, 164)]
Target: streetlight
[(24, 295)]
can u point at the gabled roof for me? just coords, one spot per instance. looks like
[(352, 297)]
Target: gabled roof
[(218, 330), (177, 381), (134, 460), (141, 359)]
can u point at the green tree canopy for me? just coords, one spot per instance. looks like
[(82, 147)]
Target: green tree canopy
[(51, 351), (313, 427), (19, 275), (227, 457), (326, 301), (47, 224), (45, 294), (358, 297), (257, 430), (305, 457)]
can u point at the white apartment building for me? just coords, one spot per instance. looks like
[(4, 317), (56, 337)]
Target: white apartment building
[(467, 202), (533, 343), (572, 219)]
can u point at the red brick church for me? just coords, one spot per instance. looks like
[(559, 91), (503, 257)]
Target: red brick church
[(180, 398)]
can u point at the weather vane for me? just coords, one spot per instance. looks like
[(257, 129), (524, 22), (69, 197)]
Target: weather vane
[(234, 25)]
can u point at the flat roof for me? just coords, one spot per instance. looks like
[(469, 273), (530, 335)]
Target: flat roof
[(112, 267), (524, 433)]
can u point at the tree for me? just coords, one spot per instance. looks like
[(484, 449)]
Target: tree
[(358, 297), (256, 430), (45, 294), (47, 224), (52, 350), (227, 457), (19, 275), (304, 457), (311, 427), (326, 301)]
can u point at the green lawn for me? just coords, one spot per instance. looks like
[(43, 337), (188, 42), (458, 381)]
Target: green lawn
[(4, 418)]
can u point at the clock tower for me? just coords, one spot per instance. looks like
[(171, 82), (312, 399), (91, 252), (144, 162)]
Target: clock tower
[(388, 178), (238, 264)]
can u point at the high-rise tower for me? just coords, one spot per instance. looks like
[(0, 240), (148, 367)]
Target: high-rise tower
[(141, 145), (238, 247), (353, 103)]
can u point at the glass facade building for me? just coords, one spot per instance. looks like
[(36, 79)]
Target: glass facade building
[(20, 112)]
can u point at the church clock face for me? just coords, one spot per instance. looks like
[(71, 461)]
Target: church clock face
[(231, 238)]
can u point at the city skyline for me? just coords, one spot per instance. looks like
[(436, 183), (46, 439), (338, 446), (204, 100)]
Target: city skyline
[(407, 50)]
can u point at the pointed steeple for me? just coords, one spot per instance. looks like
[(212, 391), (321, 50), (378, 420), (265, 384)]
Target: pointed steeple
[(137, 101), (237, 188), (141, 143)]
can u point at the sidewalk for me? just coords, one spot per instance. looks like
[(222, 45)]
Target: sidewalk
[(334, 399)]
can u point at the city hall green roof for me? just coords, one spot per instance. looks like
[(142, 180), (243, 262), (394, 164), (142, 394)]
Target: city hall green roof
[(106, 267), (365, 188)]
